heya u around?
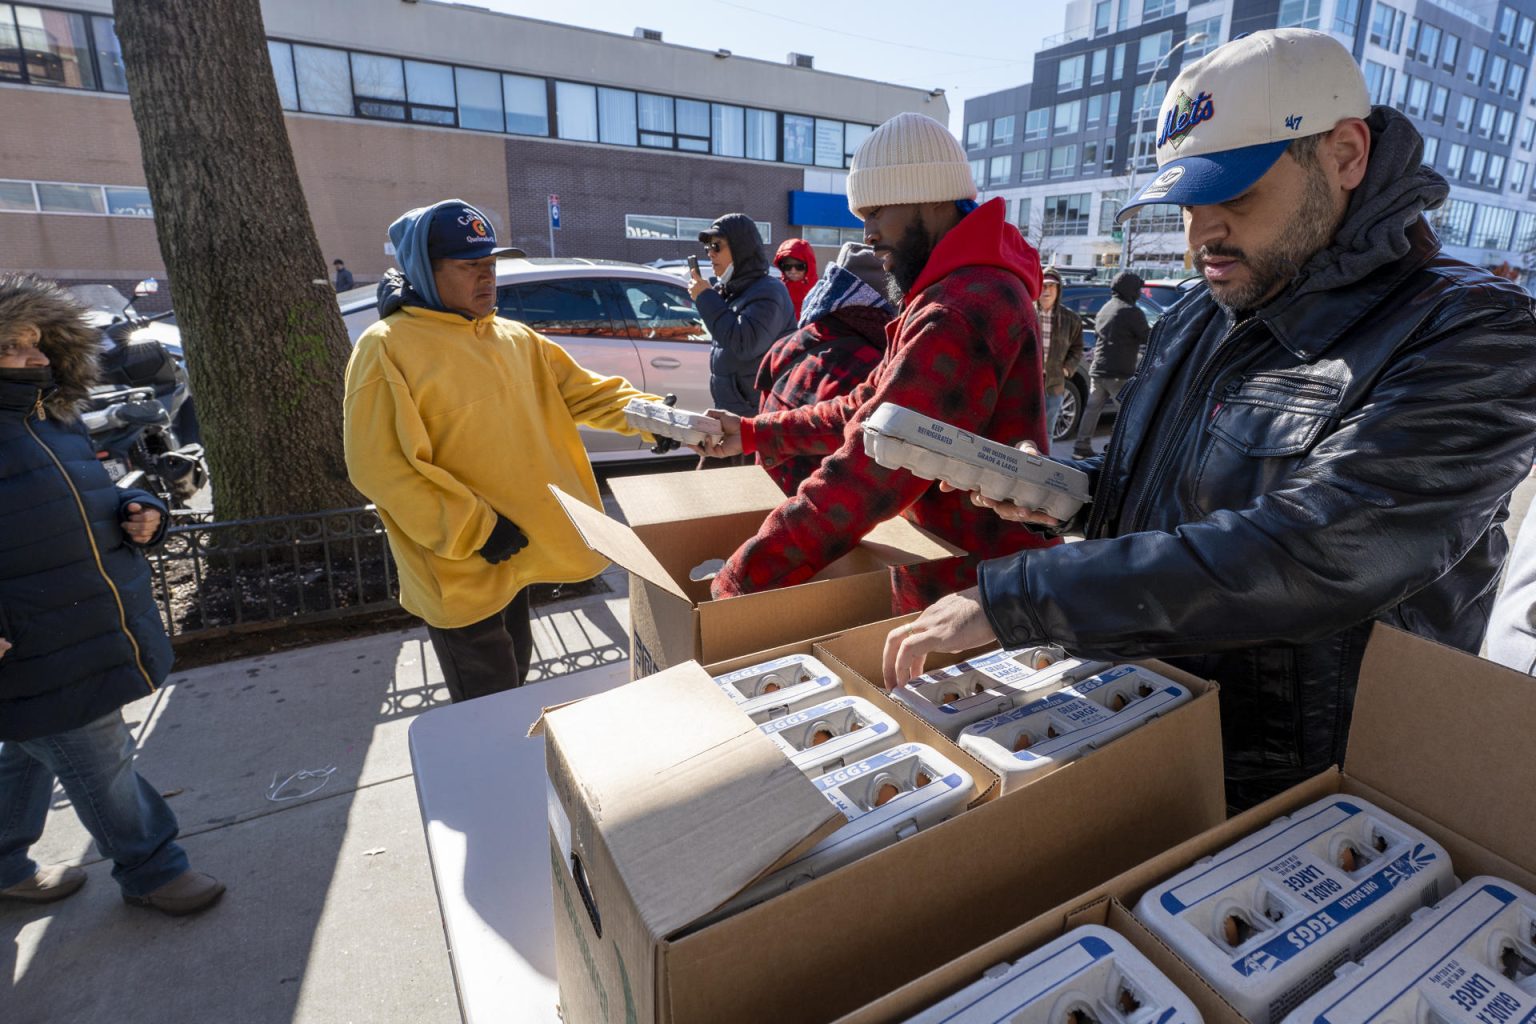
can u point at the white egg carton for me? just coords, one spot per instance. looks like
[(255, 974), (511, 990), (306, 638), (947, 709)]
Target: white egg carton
[(1090, 974), (1469, 960), (833, 733), (1269, 919), (1070, 722), (898, 438), (885, 797), (949, 699), (664, 421), (779, 687)]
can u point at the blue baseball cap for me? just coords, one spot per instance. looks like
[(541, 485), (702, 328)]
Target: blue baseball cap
[(459, 231), (1231, 114)]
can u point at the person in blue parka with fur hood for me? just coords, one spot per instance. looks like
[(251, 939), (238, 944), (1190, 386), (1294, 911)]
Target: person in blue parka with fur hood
[(79, 632)]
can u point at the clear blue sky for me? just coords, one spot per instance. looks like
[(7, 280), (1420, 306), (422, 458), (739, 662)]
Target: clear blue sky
[(924, 44)]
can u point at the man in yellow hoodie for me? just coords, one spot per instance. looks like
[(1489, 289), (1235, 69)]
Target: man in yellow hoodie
[(456, 420)]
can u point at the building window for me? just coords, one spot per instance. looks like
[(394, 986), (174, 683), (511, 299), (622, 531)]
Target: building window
[(1496, 69), (1112, 109), (1416, 103), (1095, 111), (1090, 157), (1494, 178), (55, 48), (763, 134), (1064, 161), (1301, 13), (1427, 47), (830, 151), (1506, 29), (1101, 17), (1378, 81), (1021, 216), (1506, 126), (1146, 102), (479, 94), (1495, 224), (1068, 118), (979, 173), (1119, 61), (1002, 131), (1144, 150), (1431, 149), (1476, 161), (728, 132), (1159, 218), (1485, 115), (1069, 73), (109, 55), (324, 79), (1453, 221), (1153, 49), (799, 139), (1109, 205), (1475, 61), (67, 198), (1516, 83), (1109, 154), (281, 55), (1346, 17), (576, 111), (1454, 158), (1525, 232), (1465, 108), (1037, 124), (1100, 67), (1156, 9), (1386, 26), (527, 105), (1527, 133), (378, 86), (1449, 51), (1067, 214), (976, 135), (1522, 40), (678, 229), (429, 87), (1437, 104), (1000, 170), (1211, 27), (1032, 166)]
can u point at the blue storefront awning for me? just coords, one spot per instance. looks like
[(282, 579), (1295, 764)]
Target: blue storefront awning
[(821, 210)]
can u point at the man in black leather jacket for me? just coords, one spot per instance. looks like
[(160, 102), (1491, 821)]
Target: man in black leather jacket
[(1323, 437)]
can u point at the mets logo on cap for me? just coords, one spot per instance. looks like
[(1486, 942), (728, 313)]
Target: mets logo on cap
[(1182, 117)]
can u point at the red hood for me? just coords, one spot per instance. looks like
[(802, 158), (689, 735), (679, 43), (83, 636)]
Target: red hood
[(801, 250), (984, 238)]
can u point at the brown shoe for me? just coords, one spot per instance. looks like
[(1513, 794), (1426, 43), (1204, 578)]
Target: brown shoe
[(187, 893), (48, 885)]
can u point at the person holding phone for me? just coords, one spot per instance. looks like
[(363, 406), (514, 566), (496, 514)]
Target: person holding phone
[(745, 312)]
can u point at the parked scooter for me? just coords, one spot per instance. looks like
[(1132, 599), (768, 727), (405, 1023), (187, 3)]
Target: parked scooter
[(131, 430)]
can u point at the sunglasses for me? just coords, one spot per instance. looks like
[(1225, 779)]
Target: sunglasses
[(713, 247), (790, 266)]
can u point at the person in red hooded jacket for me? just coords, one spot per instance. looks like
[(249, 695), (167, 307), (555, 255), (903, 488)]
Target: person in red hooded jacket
[(796, 260), (964, 349)]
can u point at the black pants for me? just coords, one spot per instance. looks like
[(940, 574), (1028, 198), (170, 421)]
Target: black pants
[(489, 656)]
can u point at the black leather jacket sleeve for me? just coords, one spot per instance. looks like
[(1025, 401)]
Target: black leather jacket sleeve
[(1408, 481)]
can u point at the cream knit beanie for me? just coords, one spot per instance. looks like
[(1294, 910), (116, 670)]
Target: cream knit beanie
[(910, 159)]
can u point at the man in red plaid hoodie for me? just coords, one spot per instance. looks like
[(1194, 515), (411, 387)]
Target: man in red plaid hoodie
[(963, 350)]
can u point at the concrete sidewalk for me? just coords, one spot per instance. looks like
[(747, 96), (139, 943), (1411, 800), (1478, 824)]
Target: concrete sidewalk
[(331, 916)]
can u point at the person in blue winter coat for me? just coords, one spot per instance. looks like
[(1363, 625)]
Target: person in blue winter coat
[(745, 312), (79, 632)]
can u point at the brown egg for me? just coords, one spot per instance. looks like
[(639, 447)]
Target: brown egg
[(770, 687), (1040, 660), (856, 726), (1235, 930), (923, 779), (1349, 860), (1050, 732), (1144, 690), (1380, 842), (949, 696), (886, 794), (1129, 1004), (1118, 702), (1023, 742), (820, 736)]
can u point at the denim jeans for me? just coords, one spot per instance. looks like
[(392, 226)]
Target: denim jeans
[(126, 816), (1052, 411)]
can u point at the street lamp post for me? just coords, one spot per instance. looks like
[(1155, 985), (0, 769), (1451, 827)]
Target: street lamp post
[(1125, 232)]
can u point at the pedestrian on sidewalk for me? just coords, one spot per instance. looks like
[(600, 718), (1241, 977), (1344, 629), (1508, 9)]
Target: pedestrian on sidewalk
[(80, 635), (456, 422), (1120, 331), (1322, 437), (343, 276), (840, 341), (963, 350), (1061, 345), (796, 260)]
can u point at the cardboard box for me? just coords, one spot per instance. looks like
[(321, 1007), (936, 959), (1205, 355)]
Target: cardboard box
[(677, 521), (1439, 739), (827, 947)]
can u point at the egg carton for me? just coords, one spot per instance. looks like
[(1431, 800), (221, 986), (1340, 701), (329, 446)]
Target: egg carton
[(664, 421), (779, 687), (1469, 960), (1090, 975), (1268, 920), (1070, 722), (885, 797), (829, 735), (899, 438), (952, 698)]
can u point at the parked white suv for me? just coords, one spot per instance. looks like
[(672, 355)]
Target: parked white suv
[(614, 318)]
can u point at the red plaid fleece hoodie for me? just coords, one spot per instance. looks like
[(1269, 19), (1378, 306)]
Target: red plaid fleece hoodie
[(965, 351)]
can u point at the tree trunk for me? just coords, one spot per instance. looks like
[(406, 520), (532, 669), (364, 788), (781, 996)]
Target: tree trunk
[(265, 343)]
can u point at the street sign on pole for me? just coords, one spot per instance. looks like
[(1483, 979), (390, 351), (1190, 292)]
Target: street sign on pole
[(554, 220)]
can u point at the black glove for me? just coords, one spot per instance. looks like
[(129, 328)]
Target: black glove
[(505, 541), (666, 444)]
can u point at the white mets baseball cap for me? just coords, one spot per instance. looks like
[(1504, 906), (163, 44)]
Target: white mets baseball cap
[(1229, 115)]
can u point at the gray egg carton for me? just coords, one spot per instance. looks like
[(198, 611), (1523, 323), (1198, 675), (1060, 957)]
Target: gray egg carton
[(664, 421), (898, 438)]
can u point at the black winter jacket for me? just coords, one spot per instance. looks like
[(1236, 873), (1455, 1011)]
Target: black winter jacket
[(75, 594), (1340, 458), (744, 316), (1121, 330)]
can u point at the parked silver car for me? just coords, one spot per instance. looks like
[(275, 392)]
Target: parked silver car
[(614, 318)]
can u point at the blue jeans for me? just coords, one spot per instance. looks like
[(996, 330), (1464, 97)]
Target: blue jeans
[(129, 820), (1052, 411)]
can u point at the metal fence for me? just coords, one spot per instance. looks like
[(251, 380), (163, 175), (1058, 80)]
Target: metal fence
[(213, 577)]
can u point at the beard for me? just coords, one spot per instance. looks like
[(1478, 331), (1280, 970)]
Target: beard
[(908, 258), (1312, 228)]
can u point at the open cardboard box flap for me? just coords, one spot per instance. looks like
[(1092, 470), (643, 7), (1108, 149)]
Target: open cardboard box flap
[(1419, 710), (617, 543), (658, 498), (699, 805)]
